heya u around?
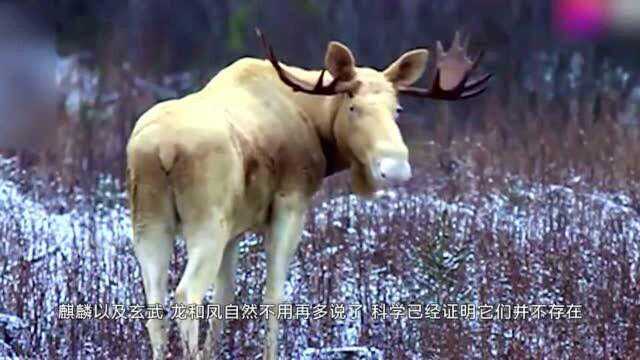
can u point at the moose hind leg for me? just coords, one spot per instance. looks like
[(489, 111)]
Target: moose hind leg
[(205, 245), (153, 250), (153, 236), (224, 294), (205, 180)]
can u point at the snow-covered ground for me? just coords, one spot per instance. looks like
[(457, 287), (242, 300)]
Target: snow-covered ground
[(526, 245)]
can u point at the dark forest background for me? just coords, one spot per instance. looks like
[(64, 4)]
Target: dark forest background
[(132, 54)]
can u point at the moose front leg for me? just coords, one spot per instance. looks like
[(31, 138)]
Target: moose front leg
[(286, 230)]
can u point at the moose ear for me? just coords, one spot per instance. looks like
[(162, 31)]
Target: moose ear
[(408, 68), (340, 62)]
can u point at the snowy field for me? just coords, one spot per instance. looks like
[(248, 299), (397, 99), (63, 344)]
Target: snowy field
[(571, 250)]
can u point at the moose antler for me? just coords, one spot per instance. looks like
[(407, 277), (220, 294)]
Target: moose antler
[(452, 70), (335, 87)]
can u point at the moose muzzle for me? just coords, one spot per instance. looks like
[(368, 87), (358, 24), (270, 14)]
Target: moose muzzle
[(391, 170)]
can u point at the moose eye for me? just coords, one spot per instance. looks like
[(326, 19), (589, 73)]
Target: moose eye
[(352, 108), (399, 109)]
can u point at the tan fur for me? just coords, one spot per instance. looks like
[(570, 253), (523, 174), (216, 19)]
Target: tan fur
[(247, 153)]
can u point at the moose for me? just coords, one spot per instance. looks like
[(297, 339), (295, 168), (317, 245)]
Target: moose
[(248, 151)]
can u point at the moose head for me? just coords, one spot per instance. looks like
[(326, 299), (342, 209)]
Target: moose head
[(365, 124)]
